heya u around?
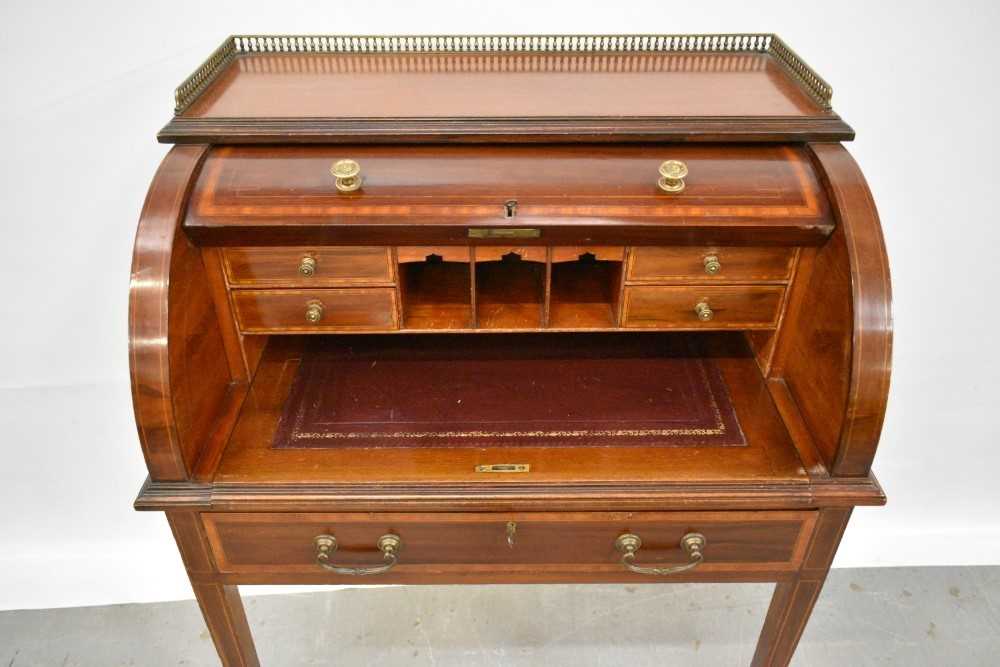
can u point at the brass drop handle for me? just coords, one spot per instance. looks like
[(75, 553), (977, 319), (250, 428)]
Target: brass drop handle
[(672, 173), (314, 311), (307, 267), (628, 546), (704, 312), (348, 175), (712, 264), (388, 544)]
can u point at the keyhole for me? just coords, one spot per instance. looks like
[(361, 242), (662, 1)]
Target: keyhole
[(510, 208)]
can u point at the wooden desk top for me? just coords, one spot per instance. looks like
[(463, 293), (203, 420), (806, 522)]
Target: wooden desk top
[(319, 88)]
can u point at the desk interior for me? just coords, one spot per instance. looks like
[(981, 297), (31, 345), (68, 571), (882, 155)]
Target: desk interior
[(598, 407)]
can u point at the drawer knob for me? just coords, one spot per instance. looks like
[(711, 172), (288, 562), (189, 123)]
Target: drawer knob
[(628, 545), (704, 312), (307, 267), (314, 311), (672, 173), (388, 544), (712, 265), (348, 175)]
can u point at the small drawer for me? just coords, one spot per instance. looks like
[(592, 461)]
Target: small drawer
[(326, 266), (653, 264), (702, 307), (586, 543), (325, 310)]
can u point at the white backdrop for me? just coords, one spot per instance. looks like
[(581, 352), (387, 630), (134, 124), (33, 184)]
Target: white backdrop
[(87, 85)]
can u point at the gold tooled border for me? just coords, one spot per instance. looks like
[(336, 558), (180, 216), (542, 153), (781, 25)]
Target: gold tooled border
[(718, 429), (192, 87)]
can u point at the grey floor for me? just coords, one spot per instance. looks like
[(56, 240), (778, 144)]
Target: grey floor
[(893, 616)]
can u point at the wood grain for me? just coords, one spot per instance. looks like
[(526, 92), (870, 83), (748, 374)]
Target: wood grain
[(654, 264), (334, 266), (836, 355), (443, 542), (575, 195), (734, 306), (179, 369), (220, 604), (489, 85), (768, 457), (346, 309)]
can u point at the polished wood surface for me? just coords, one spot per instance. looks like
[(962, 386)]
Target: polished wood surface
[(836, 355), (793, 600), (345, 309), (768, 456), (678, 264), (180, 373), (566, 95), (733, 307), (220, 603), (574, 195), (573, 239), (582, 542), (503, 85), (332, 266)]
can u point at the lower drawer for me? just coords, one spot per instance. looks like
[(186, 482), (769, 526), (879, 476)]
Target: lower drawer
[(321, 310), (279, 543), (707, 307)]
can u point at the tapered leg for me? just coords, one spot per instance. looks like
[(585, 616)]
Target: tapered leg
[(793, 600), (227, 623), (220, 604)]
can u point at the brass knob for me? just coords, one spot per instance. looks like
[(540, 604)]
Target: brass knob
[(314, 311), (672, 173), (712, 265), (348, 175), (307, 267), (628, 545), (704, 312)]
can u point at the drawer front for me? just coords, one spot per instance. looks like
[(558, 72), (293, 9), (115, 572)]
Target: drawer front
[(669, 264), (306, 267), (324, 310), (451, 542), (680, 307)]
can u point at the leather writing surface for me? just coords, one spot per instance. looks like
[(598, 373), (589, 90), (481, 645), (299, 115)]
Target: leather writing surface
[(596, 390)]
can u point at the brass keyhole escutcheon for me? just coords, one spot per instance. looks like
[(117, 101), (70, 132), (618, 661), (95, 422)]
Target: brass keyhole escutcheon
[(347, 174), (672, 173)]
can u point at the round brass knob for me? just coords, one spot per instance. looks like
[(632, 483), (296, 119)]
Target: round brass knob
[(348, 175), (672, 173), (307, 267), (712, 265), (704, 312), (314, 311)]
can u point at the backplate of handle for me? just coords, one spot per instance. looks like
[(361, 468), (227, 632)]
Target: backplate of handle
[(389, 544), (628, 545)]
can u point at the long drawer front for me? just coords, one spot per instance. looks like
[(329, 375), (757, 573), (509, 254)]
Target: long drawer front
[(530, 543)]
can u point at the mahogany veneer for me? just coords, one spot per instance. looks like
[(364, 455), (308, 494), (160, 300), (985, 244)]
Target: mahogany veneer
[(527, 284)]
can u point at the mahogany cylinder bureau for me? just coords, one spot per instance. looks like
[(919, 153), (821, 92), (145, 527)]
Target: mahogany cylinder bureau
[(495, 309)]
